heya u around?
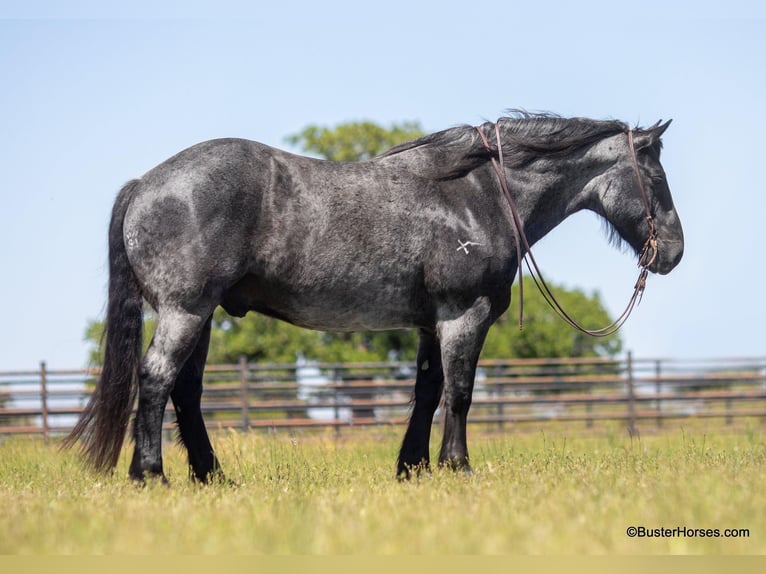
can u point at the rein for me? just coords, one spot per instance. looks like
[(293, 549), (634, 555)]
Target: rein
[(524, 252)]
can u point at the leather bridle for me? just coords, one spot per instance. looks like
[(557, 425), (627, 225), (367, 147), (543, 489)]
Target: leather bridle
[(524, 253)]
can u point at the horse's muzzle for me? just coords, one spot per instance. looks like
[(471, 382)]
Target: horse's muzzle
[(669, 254)]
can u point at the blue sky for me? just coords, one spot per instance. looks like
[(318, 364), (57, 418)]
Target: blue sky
[(92, 96)]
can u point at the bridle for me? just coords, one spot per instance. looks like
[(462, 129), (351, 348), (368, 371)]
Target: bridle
[(524, 252)]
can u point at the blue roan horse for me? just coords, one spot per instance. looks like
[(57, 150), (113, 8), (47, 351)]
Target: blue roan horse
[(420, 237)]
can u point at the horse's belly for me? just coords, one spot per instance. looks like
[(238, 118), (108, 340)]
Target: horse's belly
[(340, 307), (380, 318)]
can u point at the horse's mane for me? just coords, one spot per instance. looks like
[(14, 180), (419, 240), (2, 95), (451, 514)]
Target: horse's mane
[(525, 137), (528, 136), (443, 155)]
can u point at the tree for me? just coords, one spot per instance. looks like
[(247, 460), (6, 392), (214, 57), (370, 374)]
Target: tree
[(544, 334), (94, 332), (353, 141), (265, 339)]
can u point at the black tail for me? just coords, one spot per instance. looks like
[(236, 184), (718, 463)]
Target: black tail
[(104, 421)]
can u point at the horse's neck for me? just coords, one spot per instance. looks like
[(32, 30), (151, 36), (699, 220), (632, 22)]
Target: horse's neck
[(547, 192)]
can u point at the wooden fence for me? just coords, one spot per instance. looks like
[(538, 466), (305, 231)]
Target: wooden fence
[(637, 394)]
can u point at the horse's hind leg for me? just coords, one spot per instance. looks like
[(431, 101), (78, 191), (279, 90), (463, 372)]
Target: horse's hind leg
[(428, 391), (186, 396), (461, 341), (174, 340)]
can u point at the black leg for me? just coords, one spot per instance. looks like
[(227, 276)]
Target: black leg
[(186, 397), (461, 341), (428, 390), (176, 336)]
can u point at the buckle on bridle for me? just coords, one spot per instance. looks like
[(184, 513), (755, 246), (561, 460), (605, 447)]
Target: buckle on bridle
[(650, 243)]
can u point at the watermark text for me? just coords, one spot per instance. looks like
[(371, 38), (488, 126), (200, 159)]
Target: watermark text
[(686, 532)]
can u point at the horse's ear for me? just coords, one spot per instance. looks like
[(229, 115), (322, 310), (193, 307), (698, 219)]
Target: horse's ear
[(646, 137), (659, 128)]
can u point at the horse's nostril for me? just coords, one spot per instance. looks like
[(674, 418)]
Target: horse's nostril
[(670, 253)]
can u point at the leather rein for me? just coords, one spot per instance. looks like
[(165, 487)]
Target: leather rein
[(524, 252)]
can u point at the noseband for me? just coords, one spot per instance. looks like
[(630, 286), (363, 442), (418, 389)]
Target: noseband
[(524, 253)]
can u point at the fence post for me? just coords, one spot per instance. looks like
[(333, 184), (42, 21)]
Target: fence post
[(631, 396), (243, 392), (337, 379), (658, 390), (729, 419), (44, 399), (500, 407)]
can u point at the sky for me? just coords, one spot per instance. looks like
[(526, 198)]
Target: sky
[(93, 96)]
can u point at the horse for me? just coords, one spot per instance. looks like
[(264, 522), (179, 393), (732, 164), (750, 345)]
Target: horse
[(421, 236)]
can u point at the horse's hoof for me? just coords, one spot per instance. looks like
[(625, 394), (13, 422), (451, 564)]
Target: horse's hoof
[(218, 477), (405, 471), (458, 466), (145, 478)]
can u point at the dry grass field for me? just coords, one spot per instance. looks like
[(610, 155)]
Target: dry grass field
[(319, 494)]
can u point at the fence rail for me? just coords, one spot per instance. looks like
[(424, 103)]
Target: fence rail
[(640, 394)]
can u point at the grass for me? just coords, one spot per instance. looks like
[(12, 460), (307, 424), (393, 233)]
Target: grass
[(317, 494)]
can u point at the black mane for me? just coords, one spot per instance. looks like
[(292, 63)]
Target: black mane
[(525, 138)]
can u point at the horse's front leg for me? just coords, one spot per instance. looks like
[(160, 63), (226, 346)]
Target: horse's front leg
[(461, 338), (414, 453)]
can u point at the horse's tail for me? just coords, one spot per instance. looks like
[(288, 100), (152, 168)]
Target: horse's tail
[(103, 423)]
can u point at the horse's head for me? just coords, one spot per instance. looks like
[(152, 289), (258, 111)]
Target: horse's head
[(621, 200)]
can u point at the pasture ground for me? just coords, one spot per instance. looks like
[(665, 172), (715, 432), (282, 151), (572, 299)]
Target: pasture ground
[(308, 494)]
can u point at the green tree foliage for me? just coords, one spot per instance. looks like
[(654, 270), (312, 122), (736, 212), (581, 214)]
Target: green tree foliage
[(265, 339), (94, 333), (353, 141), (544, 333)]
